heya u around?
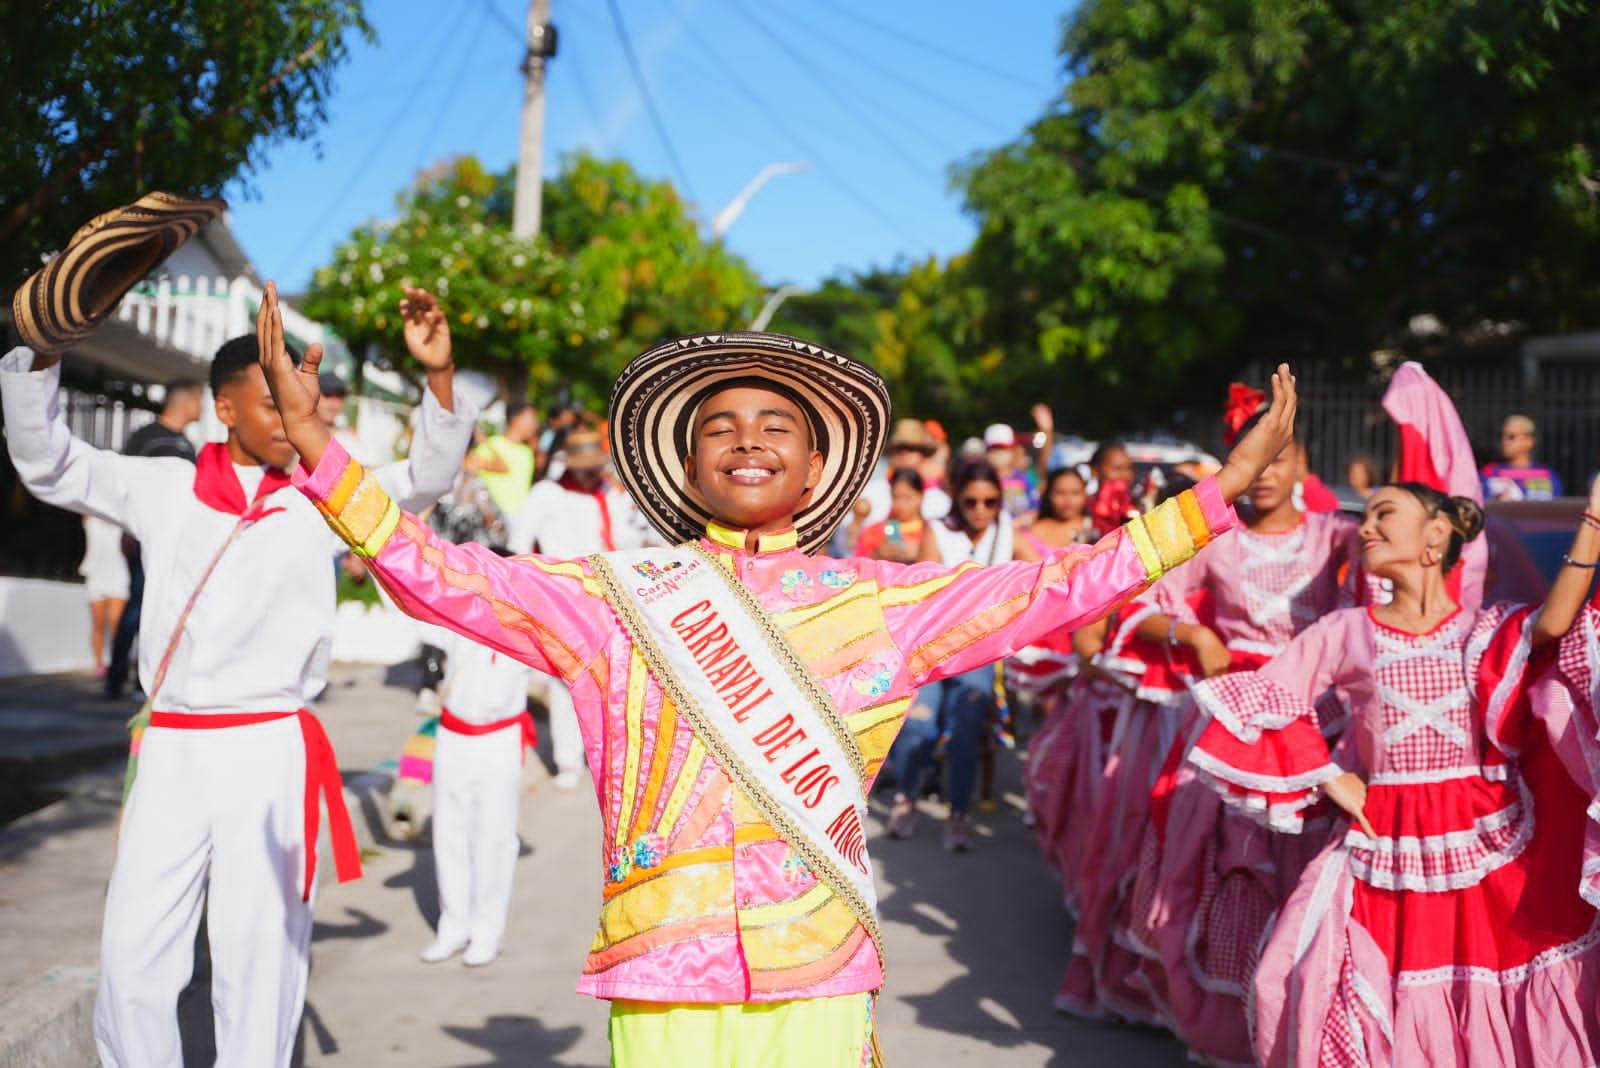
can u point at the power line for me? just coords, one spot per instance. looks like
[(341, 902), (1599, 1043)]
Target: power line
[(363, 162), (775, 121), (899, 34), (850, 107), (986, 121), (649, 101), (450, 93), (505, 22)]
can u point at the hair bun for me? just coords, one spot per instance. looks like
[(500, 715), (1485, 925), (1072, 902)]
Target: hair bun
[(1466, 517)]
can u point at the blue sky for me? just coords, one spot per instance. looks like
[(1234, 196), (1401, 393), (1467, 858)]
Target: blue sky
[(880, 96)]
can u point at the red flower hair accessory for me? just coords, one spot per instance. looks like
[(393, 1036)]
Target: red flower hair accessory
[(1243, 404)]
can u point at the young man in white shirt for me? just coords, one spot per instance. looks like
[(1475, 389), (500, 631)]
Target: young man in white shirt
[(223, 812)]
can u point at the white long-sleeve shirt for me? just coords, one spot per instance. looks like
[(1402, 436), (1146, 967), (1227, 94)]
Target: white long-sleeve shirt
[(566, 524), (260, 634)]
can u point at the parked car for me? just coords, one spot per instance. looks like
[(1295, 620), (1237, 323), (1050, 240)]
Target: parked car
[(1173, 456)]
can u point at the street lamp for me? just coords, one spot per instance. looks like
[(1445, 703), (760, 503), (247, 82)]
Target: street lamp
[(735, 207), (774, 302)]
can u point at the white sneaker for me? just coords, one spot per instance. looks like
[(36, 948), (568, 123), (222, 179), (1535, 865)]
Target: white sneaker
[(566, 780), (479, 953), (439, 950)]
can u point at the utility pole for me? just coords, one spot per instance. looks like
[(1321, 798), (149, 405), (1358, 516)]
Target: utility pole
[(525, 211)]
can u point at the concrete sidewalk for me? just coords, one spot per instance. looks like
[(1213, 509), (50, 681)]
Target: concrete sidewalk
[(976, 944)]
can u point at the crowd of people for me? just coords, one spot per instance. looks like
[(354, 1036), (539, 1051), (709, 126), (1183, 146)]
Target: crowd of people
[(1315, 797)]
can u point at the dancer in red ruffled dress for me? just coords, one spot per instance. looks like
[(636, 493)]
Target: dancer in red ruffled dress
[(1455, 923), (1126, 716), (1208, 880)]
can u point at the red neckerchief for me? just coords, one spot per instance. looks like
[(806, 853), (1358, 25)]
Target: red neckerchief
[(571, 485), (217, 485)]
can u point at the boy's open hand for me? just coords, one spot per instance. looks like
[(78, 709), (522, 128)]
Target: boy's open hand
[(427, 329), (1266, 439), (294, 389)]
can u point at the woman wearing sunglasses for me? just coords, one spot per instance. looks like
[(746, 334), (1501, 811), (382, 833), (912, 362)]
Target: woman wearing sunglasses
[(979, 530)]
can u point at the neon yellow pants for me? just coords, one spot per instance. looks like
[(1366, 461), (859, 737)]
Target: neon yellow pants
[(814, 1033)]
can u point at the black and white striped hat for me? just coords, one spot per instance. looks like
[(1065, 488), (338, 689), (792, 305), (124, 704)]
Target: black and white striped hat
[(61, 303), (654, 402)]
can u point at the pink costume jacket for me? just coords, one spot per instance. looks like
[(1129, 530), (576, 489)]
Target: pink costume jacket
[(703, 902)]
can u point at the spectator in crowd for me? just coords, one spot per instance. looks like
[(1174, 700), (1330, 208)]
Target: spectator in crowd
[(105, 580), (1110, 462), (1063, 517), (902, 535), (1009, 457), (506, 462), (910, 447), (1517, 477), (180, 408), (331, 409), (979, 530), (1111, 501), (1361, 474)]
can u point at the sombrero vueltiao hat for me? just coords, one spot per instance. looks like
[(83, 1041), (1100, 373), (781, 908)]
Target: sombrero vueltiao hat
[(655, 399), (61, 303)]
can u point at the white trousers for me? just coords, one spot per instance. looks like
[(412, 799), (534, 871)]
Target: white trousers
[(566, 741), (216, 819), (477, 784)]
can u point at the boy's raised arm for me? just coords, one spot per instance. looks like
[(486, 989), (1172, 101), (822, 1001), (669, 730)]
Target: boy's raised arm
[(950, 623), (548, 614), (444, 421), (56, 467)]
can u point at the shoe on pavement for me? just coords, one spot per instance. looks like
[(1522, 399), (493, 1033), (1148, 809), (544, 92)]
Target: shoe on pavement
[(903, 818), (480, 953), (957, 834), (566, 780), (439, 950)]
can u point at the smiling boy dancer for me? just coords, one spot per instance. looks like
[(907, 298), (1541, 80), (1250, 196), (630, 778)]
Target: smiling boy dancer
[(736, 695), (224, 809)]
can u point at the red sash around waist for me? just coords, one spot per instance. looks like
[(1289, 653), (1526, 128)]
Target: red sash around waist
[(322, 776), (456, 725)]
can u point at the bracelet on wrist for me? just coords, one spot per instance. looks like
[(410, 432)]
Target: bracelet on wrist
[(1570, 562), (1172, 631), (1591, 520)]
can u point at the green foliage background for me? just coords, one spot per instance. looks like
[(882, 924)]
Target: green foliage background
[(109, 99)]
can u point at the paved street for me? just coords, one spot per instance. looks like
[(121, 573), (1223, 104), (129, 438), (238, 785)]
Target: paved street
[(975, 943)]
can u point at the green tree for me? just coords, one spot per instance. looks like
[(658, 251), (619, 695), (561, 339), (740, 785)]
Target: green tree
[(109, 100), (619, 265), (1226, 181)]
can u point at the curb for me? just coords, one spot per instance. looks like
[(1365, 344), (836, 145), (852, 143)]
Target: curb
[(51, 1023)]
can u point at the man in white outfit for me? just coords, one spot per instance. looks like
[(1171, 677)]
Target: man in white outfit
[(223, 812), (576, 515), (477, 780)]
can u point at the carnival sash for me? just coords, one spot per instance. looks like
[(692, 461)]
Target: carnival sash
[(755, 706)]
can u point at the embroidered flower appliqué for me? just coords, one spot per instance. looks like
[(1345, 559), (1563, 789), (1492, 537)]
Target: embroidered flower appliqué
[(874, 685), (837, 580), (795, 869), (794, 581), (647, 851), (621, 864)]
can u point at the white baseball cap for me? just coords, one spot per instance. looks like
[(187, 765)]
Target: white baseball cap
[(999, 436)]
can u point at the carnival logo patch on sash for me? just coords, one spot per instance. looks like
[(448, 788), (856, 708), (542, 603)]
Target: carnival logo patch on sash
[(666, 578)]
